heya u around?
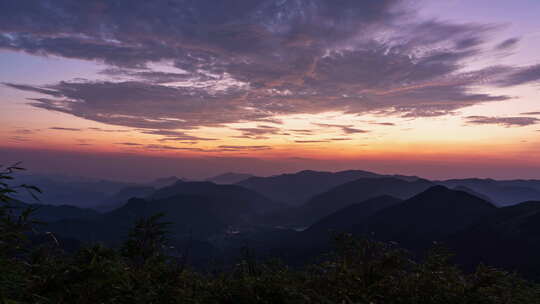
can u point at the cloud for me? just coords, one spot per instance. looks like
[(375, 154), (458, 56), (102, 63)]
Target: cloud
[(340, 138), (167, 147), (303, 131), (524, 75), (504, 121), (65, 129), (171, 135), (259, 132), (108, 130), (33, 89), (173, 29), (347, 129), (251, 61), (129, 144), (309, 141), (383, 123), (507, 44), (19, 138), (24, 131), (531, 113), (222, 148), (151, 76), (243, 148), (148, 106)]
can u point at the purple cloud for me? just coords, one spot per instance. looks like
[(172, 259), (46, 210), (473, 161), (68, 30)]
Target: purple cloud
[(129, 144), (309, 141), (243, 148), (108, 130), (24, 131), (504, 121), (19, 138), (383, 123), (170, 135), (507, 44), (340, 138), (524, 75), (347, 129), (259, 132), (252, 61), (65, 129)]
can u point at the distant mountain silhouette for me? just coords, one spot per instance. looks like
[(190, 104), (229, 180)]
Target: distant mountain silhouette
[(355, 214), (360, 190), (50, 213), (472, 192), (164, 182), (298, 246), (525, 183), (432, 215), (510, 238), (237, 198), (317, 239), (435, 214), (296, 188), (502, 193), (217, 220), (61, 190), (122, 196), (201, 209), (189, 215), (229, 178)]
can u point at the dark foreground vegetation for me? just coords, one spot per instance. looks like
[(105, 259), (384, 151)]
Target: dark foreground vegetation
[(34, 269)]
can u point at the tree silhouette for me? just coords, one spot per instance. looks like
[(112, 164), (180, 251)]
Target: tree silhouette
[(147, 239)]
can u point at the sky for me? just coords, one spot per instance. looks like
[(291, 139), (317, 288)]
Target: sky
[(140, 89)]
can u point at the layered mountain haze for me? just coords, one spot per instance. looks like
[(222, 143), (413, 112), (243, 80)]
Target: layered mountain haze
[(295, 189), (122, 196), (164, 181), (189, 215), (409, 210), (209, 223), (353, 215), (66, 190), (509, 238), (228, 194), (229, 178), (269, 151), (360, 190), (503, 193), (53, 213), (472, 192), (432, 215)]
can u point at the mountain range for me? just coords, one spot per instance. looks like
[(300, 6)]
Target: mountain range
[(229, 178), (293, 216)]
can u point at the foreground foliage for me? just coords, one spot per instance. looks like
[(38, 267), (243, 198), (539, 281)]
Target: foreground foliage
[(359, 271)]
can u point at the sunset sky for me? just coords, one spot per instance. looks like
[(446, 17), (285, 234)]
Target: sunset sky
[(139, 89)]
